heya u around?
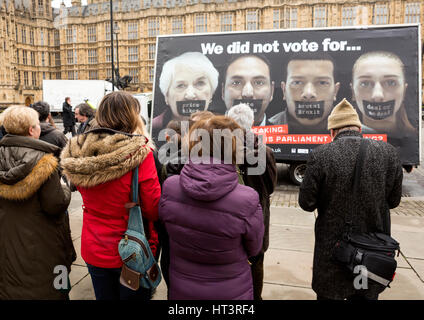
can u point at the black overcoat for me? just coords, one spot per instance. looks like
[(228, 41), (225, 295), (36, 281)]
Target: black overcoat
[(327, 186)]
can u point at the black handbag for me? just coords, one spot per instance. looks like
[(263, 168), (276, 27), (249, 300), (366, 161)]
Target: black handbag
[(375, 251)]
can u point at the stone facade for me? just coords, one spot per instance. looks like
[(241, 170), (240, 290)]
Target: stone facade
[(82, 50), (27, 49)]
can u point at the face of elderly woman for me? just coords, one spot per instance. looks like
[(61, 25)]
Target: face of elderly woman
[(34, 132), (188, 84), (378, 87)]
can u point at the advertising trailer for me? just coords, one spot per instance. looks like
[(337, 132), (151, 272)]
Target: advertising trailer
[(55, 91), (292, 79)]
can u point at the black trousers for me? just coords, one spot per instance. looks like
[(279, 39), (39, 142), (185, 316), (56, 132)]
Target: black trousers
[(257, 269), (69, 129), (107, 286), (164, 252)]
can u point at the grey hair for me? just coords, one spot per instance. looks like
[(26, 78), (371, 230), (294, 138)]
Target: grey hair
[(243, 115), (193, 59)]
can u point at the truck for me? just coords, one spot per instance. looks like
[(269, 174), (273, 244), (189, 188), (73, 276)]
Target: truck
[(292, 79), (55, 91), (145, 100)]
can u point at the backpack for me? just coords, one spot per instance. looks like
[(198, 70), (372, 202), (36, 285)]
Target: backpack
[(139, 265)]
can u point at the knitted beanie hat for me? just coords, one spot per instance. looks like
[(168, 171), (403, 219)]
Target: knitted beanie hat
[(343, 115)]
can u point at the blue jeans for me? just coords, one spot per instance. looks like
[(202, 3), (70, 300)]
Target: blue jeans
[(107, 287)]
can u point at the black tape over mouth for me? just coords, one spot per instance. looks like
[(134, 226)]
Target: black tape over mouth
[(379, 110), (309, 110), (254, 104), (187, 107)]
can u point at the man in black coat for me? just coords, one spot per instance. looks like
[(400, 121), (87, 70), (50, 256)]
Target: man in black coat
[(327, 186), (48, 133), (68, 117)]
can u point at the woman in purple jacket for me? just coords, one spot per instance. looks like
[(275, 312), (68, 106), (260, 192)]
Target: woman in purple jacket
[(214, 223)]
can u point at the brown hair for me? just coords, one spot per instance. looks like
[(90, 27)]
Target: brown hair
[(200, 115), (175, 137), (85, 110), (120, 111), (220, 123)]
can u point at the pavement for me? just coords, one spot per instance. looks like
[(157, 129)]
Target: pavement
[(288, 261)]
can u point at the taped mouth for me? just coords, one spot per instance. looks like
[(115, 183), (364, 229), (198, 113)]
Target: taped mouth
[(309, 110), (379, 110), (187, 107)]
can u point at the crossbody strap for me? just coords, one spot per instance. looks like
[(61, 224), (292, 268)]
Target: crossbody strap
[(356, 182), (135, 221)]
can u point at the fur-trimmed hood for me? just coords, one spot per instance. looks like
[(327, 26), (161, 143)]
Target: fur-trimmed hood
[(25, 164), (101, 155)]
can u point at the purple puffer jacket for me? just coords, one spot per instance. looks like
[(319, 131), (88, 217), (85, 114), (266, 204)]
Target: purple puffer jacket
[(214, 225)]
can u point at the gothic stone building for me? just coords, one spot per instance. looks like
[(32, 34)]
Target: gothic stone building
[(38, 42)]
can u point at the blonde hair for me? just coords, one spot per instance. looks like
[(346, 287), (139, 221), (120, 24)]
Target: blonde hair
[(120, 111), (18, 119)]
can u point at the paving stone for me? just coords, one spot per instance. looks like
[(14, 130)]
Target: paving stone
[(407, 224), (402, 263), (280, 292), (410, 243), (77, 245), (292, 238), (83, 290), (77, 274), (406, 286), (418, 267), (161, 291), (76, 203), (292, 216), (75, 220), (288, 267)]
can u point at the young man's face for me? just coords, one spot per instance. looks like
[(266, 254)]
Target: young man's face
[(248, 79), (188, 84), (310, 90), (378, 87)]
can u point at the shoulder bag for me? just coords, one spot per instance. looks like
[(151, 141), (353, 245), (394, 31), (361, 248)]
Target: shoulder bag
[(139, 265), (375, 251)]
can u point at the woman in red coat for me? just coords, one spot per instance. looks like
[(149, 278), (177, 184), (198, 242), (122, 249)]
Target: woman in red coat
[(100, 163)]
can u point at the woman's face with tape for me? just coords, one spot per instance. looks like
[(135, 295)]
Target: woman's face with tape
[(190, 91), (378, 86)]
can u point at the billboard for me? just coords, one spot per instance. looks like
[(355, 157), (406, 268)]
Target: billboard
[(292, 79)]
